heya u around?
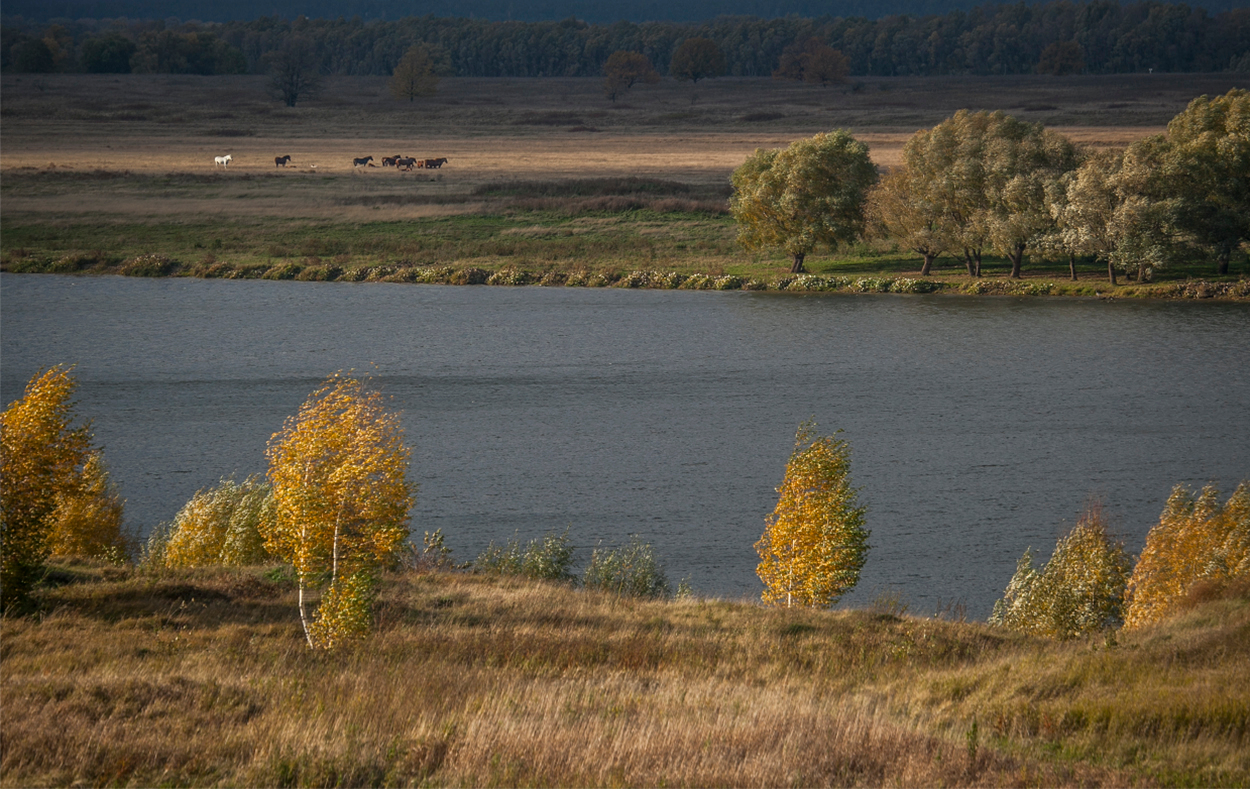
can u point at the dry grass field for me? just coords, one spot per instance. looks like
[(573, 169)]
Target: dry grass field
[(108, 167), (199, 678)]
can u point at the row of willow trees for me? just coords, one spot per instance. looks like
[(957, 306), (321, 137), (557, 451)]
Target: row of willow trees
[(987, 182), (1057, 37)]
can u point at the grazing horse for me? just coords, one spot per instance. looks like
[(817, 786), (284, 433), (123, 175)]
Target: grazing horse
[(223, 160), (405, 163), (364, 162), (389, 161), (434, 164), (281, 161)]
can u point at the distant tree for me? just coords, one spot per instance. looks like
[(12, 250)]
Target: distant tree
[(1079, 591), (175, 52), (1206, 164), (1146, 224), (342, 500), (1083, 205), (33, 56), (1195, 540), (1061, 59), (295, 71), (625, 69), (946, 170), (810, 193), (812, 61), (41, 453), (1021, 159), (108, 54), (814, 543), (697, 58), (988, 173), (414, 75), (896, 210)]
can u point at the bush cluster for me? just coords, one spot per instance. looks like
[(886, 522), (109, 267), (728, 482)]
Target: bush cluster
[(1090, 584), (632, 570)]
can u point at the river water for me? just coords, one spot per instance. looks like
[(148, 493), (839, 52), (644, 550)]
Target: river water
[(978, 426)]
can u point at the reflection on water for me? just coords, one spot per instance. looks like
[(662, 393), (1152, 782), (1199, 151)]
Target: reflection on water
[(978, 426)]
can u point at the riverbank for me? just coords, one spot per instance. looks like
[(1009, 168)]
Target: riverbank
[(546, 181), (156, 265), (202, 677)]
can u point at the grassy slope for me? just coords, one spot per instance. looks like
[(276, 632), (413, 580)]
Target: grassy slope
[(202, 678)]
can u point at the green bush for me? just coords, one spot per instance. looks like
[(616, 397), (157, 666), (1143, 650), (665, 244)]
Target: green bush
[(631, 570), (547, 558)]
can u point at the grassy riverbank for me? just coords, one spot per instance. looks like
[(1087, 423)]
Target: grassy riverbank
[(201, 678), (546, 181)]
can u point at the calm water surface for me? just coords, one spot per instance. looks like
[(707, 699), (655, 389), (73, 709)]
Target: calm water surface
[(979, 427)]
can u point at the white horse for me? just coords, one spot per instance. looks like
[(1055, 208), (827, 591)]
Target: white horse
[(223, 160)]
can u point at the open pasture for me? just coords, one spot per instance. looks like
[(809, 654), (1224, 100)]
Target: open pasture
[(83, 153)]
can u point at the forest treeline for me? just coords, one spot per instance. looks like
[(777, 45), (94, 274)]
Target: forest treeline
[(1099, 37)]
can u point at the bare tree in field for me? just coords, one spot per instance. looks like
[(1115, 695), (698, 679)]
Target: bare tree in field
[(295, 70), (414, 75)]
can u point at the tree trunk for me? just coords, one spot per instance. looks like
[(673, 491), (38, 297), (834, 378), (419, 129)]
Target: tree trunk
[(1111, 272), (977, 259), (968, 262), (797, 268), (928, 264), (1221, 262), (1017, 260), (1072, 265), (1141, 272), (303, 617)]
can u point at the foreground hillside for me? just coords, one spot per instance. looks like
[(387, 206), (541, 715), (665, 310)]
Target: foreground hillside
[(203, 678)]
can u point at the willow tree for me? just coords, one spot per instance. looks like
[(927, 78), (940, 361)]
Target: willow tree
[(946, 167), (1198, 174), (797, 198), (341, 499), (899, 211), (814, 543), (41, 452)]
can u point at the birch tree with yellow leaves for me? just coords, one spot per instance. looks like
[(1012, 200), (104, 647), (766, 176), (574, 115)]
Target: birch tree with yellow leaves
[(341, 499), (1195, 540), (40, 454), (814, 543)]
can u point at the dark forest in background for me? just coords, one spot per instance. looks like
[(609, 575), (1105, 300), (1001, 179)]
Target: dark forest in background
[(1098, 37), (596, 12)]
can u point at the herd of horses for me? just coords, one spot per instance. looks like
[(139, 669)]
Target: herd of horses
[(400, 162)]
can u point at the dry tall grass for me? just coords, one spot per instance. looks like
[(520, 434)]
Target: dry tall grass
[(202, 677)]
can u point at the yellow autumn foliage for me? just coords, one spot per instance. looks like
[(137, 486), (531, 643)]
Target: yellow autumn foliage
[(1079, 591), (218, 526), (341, 499), (88, 516), (40, 456), (814, 543), (1195, 540)]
